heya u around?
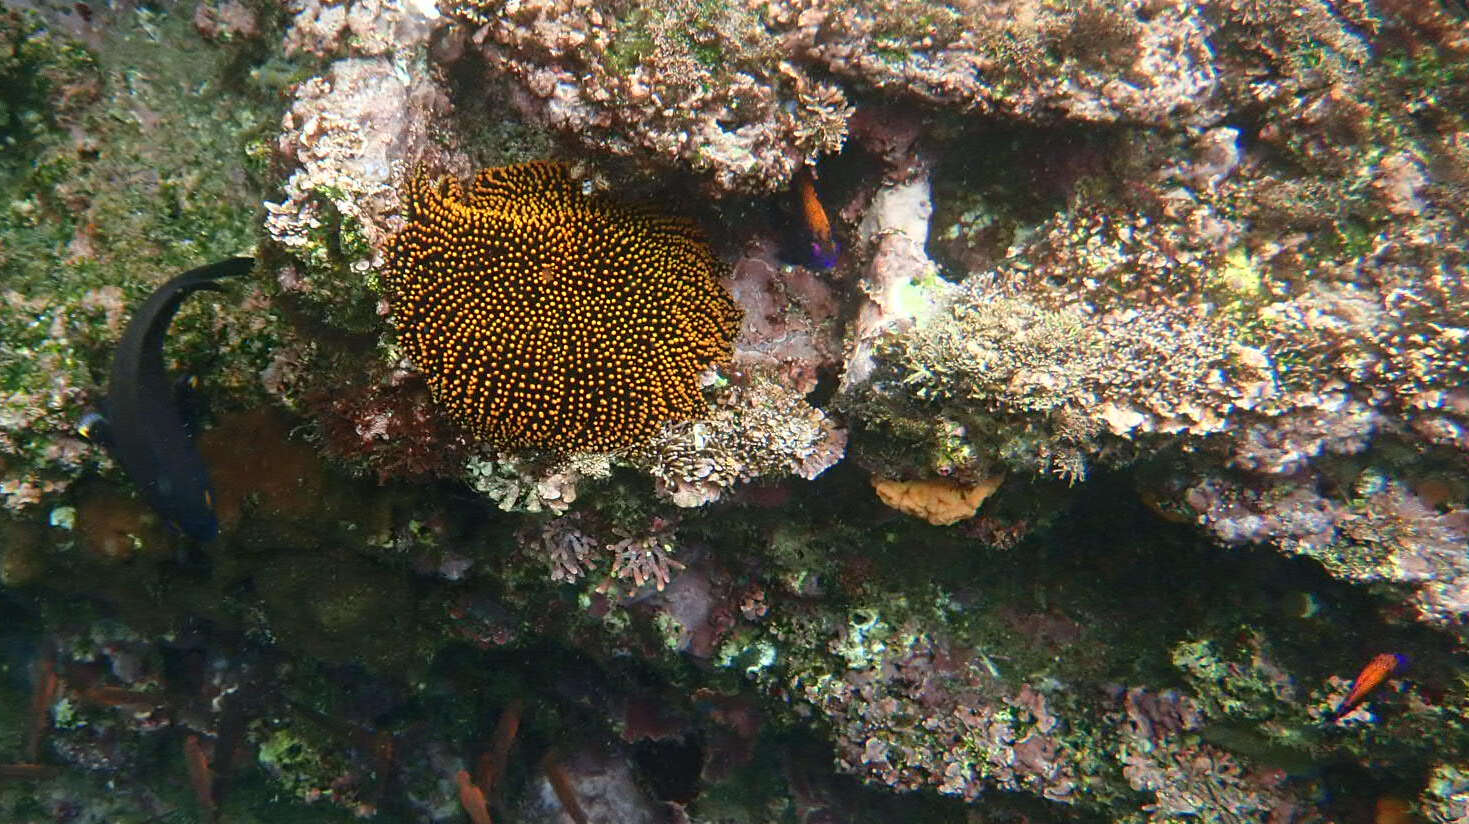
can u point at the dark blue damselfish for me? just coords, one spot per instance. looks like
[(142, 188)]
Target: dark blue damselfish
[(143, 426)]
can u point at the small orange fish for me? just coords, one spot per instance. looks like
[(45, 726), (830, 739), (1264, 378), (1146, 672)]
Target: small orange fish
[(505, 731), (48, 686), (119, 697), (472, 799), (1379, 669), (824, 248), (200, 775), (564, 789)]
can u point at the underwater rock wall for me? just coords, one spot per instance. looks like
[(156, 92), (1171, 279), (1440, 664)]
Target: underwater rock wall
[(1125, 424)]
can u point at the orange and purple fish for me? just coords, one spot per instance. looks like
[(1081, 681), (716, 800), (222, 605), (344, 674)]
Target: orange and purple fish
[(1378, 670), (809, 240), (824, 249)]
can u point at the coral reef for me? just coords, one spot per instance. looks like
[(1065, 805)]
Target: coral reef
[(757, 428), (744, 96), (924, 690), (1280, 301), (1189, 278), (1193, 778), (341, 138), (1043, 389), (704, 84), (1006, 736), (1385, 532)]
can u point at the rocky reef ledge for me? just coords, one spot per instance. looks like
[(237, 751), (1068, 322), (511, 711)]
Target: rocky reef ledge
[(1119, 421)]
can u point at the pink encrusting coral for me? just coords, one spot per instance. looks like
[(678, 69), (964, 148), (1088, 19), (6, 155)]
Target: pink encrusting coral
[(741, 92), (1187, 777), (911, 710), (791, 326), (704, 84), (389, 427)]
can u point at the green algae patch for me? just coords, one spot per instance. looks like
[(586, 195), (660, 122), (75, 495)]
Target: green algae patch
[(299, 766), (44, 81), (124, 164)]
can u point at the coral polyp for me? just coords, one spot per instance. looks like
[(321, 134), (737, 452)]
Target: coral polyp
[(544, 317)]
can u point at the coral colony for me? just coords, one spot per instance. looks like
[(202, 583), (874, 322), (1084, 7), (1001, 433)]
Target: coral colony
[(710, 411), (544, 318)]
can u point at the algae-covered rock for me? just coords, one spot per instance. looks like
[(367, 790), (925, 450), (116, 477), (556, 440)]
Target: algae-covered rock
[(128, 163), (1189, 277)]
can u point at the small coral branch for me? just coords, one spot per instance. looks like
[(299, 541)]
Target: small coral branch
[(641, 558), (645, 559), (568, 550)]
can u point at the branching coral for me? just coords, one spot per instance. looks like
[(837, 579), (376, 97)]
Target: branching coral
[(568, 550), (644, 559), (634, 558), (756, 429), (1259, 293)]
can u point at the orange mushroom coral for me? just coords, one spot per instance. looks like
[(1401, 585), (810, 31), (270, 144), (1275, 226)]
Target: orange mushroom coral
[(541, 316)]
